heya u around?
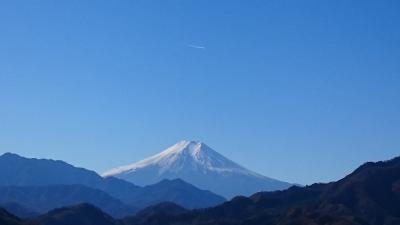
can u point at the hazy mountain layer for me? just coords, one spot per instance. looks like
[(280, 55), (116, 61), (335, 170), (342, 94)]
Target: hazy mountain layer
[(53, 183), (44, 198), (368, 196)]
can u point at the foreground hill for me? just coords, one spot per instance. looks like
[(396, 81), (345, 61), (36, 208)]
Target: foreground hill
[(198, 164), (7, 218), (45, 198), (19, 210), (156, 214), (43, 184), (368, 196), (82, 214)]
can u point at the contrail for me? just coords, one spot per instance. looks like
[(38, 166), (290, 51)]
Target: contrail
[(196, 46)]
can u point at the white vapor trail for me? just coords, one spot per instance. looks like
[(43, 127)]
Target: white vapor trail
[(196, 46)]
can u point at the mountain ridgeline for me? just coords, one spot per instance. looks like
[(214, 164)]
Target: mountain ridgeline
[(39, 185), (49, 192), (368, 196), (198, 164)]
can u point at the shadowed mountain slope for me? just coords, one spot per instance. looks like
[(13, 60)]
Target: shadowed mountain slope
[(45, 198), (57, 183), (156, 214), (82, 214), (368, 196), (7, 218), (178, 192), (18, 209), (19, 171)]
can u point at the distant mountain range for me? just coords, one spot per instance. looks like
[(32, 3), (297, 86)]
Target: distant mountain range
[(368, 196), (19, 210), (198, 164), (41, 199), (75, 196), (39, 185)]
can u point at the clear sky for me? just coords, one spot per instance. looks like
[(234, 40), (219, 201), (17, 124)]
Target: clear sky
[(302, 91)]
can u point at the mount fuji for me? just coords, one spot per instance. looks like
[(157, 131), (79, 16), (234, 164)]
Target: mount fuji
[(198, 164)]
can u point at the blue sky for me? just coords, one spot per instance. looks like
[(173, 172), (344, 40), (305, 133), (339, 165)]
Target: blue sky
[(303, 91)]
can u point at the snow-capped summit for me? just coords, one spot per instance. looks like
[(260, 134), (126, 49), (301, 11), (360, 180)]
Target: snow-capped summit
[(185, 155), (197, 163)]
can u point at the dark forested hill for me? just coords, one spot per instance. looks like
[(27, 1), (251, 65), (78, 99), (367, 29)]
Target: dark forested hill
[(368, 196), (82, 214), (44, 198)]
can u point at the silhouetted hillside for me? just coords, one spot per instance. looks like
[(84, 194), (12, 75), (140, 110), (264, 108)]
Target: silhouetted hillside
[(24, 181), (156, 214), (18, 209), (83, 214), (368, 196), (44, 198), (7, 218)]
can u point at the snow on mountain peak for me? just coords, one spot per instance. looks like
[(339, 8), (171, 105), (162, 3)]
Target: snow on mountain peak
[(191, 147), (200, 165), (184, 155)]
